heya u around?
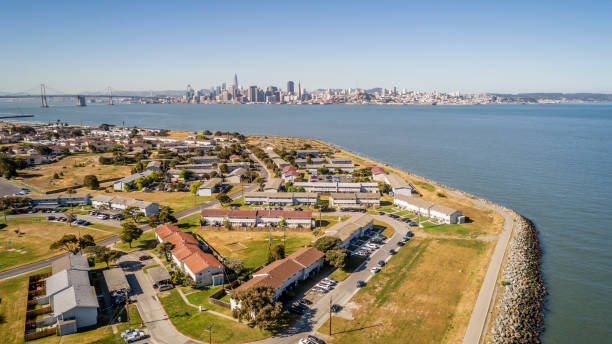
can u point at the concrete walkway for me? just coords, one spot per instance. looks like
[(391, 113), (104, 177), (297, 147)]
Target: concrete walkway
[(184, 297)]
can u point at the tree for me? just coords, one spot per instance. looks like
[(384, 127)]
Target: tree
[(86, 241), (70, 218), (164, 248), (384, 188), (103, 254), (276, 252), (223, 168), (282, 223), (257, 305), (132, 213), (68, 243), (130, 233), (186, 174), (193, 188), (8, 166), (177, 277), (321, 205), (166, 214), (223, 198), (236, 265), (91, 182), (327, 243), (337, 257)]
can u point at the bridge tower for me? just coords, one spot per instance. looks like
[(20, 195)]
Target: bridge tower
[(43, 96), (81, 101), (110, 95)]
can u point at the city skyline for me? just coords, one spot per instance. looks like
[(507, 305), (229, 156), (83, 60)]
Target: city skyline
[(468, 47)]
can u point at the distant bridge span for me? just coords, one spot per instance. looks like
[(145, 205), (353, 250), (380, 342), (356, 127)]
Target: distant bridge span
[(81, 98)]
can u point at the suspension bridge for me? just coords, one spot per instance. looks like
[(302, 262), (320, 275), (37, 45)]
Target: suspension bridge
[(81, 99)]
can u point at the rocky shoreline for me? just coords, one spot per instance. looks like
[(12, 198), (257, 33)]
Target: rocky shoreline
[(520, 317)]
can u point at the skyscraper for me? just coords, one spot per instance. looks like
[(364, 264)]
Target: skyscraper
[(235, 81), (290, 87), (299, 90)]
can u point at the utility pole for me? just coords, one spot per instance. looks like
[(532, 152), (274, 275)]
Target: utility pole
[(209, 330), (330, 316)]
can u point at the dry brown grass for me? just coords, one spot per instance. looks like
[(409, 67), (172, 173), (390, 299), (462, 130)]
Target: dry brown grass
[(424, 295), (74, 169)]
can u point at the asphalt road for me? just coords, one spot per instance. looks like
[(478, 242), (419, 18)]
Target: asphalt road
[(8, 188), (159, 327)]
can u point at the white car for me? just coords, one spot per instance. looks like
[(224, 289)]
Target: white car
[(375, 269)]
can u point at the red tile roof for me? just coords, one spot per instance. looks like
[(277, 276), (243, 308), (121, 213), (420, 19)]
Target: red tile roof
[(166, 230), (307, 255), (178, 238), (287, 214), (288, 168), (377, 170)]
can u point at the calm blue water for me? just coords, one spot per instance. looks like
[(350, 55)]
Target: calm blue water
[(551, 163)]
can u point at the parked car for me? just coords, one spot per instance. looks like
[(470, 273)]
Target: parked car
[(392, 251), (382, 263), (361, 284), (409, 234), (50, 218), (145, 257), (400, 243), (375, 269)]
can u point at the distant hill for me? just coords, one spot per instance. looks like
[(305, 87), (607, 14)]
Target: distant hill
[(589, 97)]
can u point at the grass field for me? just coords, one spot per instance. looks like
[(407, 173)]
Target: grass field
[(35, 236), (352, 264), (191, 322), (256, 253), (146, 241), (74, 168), (387, 230), (200, 297), (414, 299)]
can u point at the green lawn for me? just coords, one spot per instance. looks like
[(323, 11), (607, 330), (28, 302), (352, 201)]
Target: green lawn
[(191, 322), (447, 229), (200, 297), (134, 316), (252, 246), (352, 264), (190, 222), (387, 209), (146, 241)]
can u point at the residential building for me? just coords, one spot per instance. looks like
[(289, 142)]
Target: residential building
[(281, 198), (272, 185), (353, 200), (154, 166), (235, 176), (399, 186), (285, 274), (188, 256), (351, 229), (210, 187), (259, 218), (59, 200), (428, 209), (121, 203), (331, 187)]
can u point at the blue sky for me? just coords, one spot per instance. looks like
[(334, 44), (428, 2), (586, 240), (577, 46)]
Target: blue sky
[(448, 46)]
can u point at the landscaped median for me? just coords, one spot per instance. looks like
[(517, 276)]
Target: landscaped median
[(191, 322)]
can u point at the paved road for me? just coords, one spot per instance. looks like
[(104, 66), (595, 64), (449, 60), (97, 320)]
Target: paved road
[(7, 188), (151, 311), (483, 307)]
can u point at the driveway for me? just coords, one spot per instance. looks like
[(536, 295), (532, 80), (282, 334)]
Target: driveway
[(151, 311)]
